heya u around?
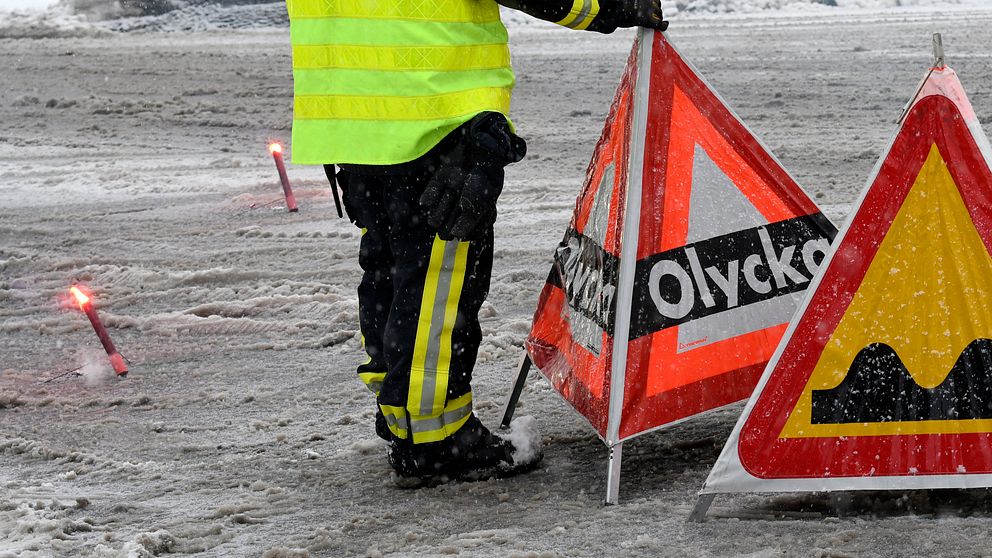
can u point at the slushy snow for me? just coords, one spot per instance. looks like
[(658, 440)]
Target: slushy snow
[(136, 164)]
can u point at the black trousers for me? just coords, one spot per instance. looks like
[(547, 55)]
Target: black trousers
[(419, 300)]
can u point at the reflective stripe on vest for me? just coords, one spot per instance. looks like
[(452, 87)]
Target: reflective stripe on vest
[(382, 82), (472, 11), (435, 107), (439, 58)]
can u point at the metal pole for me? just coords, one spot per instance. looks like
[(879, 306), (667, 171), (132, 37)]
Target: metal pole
[(703, 503), (938, 52), (628, 260), (515, 390), (613, 474)]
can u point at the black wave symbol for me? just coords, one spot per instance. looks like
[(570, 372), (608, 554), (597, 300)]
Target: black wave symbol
[(879, 388)]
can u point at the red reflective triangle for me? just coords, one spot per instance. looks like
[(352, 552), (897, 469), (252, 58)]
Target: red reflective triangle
[(705, 177), (674, 374)]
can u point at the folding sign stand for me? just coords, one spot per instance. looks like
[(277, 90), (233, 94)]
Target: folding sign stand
[(883, 380), (688, 252), (518, 387)]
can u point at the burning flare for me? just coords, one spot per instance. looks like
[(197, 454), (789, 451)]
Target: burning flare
[(86, 305), (275, 148), (81, 298)]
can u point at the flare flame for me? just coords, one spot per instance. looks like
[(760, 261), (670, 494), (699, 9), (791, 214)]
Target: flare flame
[(81, 298)]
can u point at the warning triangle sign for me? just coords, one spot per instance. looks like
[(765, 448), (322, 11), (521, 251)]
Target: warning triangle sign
[(884, 379), (688, 252)]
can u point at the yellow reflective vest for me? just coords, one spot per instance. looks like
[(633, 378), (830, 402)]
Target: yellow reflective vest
[(381, 82)]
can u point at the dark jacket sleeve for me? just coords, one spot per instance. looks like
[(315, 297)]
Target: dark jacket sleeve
[(588, 15)]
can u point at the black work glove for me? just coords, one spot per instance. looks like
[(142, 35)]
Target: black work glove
[(462, 193), (640, 13)]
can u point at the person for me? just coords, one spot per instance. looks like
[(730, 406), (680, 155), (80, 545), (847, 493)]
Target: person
[(410, 100)]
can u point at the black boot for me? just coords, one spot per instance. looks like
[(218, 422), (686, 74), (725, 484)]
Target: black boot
[(381, 428)]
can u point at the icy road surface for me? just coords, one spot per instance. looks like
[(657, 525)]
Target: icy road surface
[(137, 165)]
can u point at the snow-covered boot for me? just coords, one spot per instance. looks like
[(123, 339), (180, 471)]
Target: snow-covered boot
[(472, 453), (478, 454)]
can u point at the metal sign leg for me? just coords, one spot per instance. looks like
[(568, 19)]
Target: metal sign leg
[(703, 503), (613, 474), (938, 52), (518, 387)]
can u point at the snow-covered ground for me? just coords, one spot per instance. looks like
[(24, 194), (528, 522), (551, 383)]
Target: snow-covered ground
[(136, 163)]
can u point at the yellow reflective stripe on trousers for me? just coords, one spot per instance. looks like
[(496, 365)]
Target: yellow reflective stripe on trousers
[(423, 10), (394, 58), (396, 420), (361, 338), (438, 313), (432, 107), (439, 426), (429, 428), (581, 14), (373, 380)]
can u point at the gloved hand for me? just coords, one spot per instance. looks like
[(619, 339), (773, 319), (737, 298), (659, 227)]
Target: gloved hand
[(462, 193), (640, 13)]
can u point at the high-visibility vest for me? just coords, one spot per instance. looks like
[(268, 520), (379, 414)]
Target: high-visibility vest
[(381, 82)]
